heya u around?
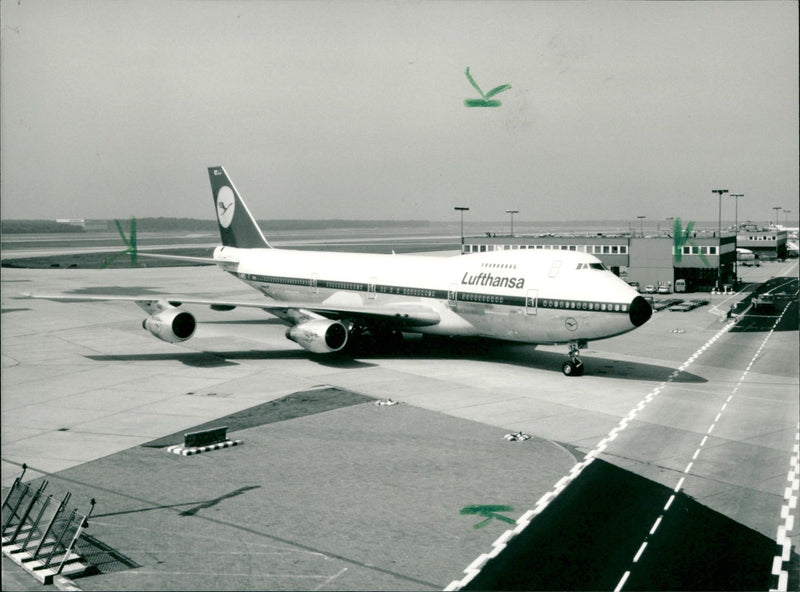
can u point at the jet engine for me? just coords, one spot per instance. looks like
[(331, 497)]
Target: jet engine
[(321, 336), (171, 325)]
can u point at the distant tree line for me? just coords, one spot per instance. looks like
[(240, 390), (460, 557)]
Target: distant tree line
[(192, 224), (36, 226)]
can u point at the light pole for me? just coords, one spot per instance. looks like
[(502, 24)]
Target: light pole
[(776, 208), (719, 234), (462, 209), (641, 225), (512, 212), (736, 234), (736, 219)]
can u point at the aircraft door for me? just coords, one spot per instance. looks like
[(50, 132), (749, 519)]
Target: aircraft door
[(312, 284), (531, 302), (372, 293), (452, 296)]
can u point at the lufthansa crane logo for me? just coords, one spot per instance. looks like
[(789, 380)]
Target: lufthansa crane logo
[(571, 323), (225, 206)]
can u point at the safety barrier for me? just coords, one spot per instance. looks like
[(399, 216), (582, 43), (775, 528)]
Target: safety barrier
[(39, 536), (203, 441)]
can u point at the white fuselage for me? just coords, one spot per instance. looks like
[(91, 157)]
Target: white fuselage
[(533, 296)]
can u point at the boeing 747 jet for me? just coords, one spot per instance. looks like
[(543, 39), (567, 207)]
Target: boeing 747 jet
[(328, 299)]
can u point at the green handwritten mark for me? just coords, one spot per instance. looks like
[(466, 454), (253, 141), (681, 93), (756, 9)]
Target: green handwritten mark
[(680, 238), (488, 512), (486, 100), (130, 243)]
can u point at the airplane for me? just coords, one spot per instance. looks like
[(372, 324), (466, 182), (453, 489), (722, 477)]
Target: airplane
[(329, 299)]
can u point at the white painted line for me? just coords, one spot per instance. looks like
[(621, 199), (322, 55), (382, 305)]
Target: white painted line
[(639, 552), (777, 565), (656, 524), (622, 581), (669, 502), (786, 552), (478, 563), (688, 467), (679, 485), (783, 581)]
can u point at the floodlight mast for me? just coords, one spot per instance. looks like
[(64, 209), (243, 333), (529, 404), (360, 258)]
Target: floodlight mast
[(641, 225), (512, 212), (736, 235), (719, 234), (462, 209)]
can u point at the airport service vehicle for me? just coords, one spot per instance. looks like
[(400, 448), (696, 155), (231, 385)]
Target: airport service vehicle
[(762, 301), (682, 306), (680, 285), (649, 289), (663, 290), (327, 299)]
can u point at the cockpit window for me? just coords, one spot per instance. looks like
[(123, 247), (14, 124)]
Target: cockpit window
[(599, 266)]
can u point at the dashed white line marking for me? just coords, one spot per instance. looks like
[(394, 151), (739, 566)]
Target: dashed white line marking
[(782, 539), (639, 552), (788, 508), (655, 526), (474, 568), (622, 581)]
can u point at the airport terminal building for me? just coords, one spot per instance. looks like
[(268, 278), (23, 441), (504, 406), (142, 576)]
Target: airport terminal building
[(700, 262)]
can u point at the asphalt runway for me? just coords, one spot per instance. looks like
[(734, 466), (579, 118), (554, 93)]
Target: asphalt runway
[(361, 496)]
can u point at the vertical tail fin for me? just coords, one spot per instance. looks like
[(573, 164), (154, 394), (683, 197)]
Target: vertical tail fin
[(237, 227)]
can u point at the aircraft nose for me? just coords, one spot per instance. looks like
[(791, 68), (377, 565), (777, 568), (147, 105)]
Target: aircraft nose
[(639, 311)]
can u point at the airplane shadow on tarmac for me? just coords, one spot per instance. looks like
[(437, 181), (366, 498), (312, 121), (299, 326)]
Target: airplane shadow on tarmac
[(418, 348), (526, 356)]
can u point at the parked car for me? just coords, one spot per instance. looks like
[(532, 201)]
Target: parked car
[(649, 289), (664, 290), (682, 307)]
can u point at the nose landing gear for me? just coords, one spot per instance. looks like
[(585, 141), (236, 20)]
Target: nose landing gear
[(574, 367)]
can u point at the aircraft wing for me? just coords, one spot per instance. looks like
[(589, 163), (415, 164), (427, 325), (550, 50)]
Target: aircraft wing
[(201, 260), (399, 315)]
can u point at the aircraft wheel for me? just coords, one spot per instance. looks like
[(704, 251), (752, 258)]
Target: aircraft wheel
[(572, 369)]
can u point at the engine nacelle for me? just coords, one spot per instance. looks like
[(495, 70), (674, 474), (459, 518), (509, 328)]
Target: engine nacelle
[(171, 325), (321, 336)]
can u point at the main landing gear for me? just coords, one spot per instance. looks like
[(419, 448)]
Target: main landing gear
[(574, 367)]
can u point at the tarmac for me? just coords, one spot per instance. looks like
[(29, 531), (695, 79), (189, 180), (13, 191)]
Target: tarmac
[(362, 496)]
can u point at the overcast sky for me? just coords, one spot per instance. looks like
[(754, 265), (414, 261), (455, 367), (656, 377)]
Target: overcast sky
[(356, 109)]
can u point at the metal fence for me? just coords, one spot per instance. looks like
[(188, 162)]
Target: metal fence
[(38, 533)]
